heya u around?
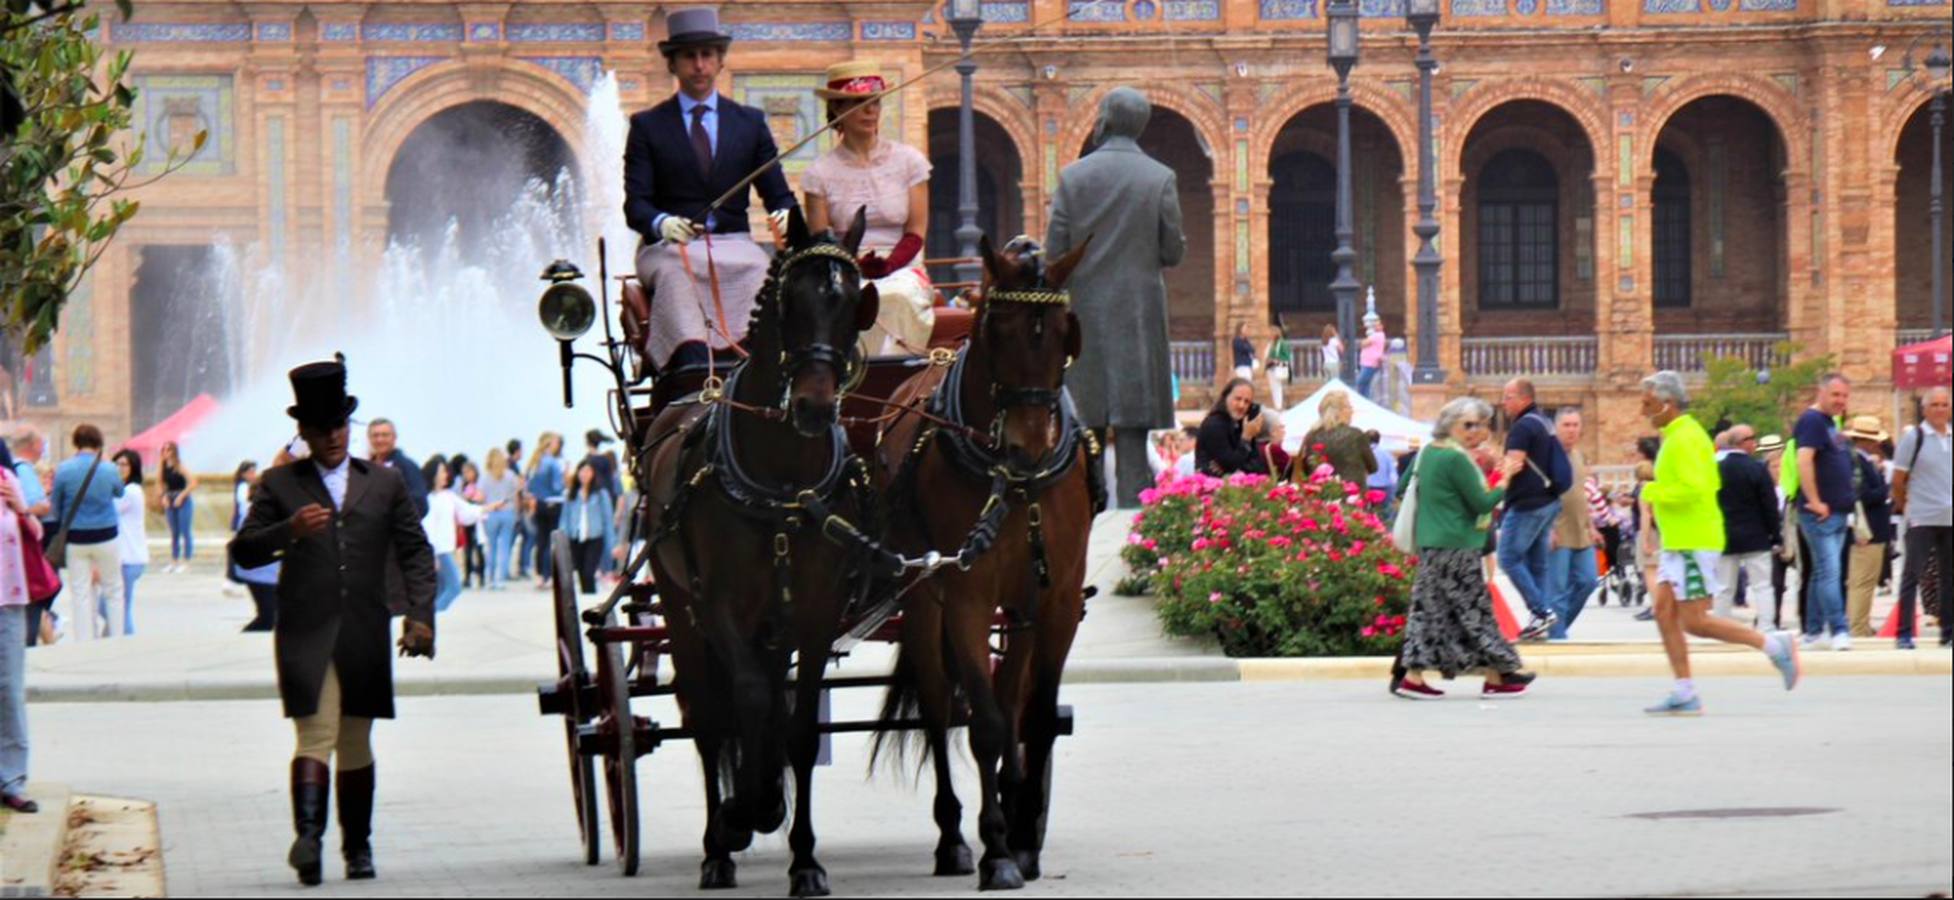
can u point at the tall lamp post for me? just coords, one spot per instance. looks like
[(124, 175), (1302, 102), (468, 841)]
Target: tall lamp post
[(966, 16), (1343, 57), (1423, 15), (1938, 64)]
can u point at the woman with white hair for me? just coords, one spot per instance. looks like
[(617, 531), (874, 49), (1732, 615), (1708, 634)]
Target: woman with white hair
[(1452, 629)]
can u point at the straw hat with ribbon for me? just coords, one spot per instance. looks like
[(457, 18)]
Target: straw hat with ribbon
[(853, 80), (1770, 443), (1866, 428)]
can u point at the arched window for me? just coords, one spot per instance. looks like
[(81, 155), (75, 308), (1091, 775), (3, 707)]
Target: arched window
[(1671, 199), (1302, 234), (1518, 238)]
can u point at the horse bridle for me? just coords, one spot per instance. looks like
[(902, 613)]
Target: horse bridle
[(847, 363), (1008, 397)]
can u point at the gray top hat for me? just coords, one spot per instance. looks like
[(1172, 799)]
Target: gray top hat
[(693, 27)]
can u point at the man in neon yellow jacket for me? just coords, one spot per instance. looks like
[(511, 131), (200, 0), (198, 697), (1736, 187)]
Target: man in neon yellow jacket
[(1683, 497)]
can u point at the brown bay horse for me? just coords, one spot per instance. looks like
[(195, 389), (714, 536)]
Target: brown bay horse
[(1006, 383), (750, 587)]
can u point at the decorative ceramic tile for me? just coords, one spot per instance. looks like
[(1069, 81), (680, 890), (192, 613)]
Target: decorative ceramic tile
[(1787, 80), (178, 33), (1672, 6), (171, 109), (409, 33), (1210, 90), (559, 33), (888, 31), (791, 31), (1625, 201), (1145, 10), (1014, 12), (1768, 5), (1403, 89), (1022, 94), (1461, 85), (1598, 85), (1650, 83), (1241, 124), (627, 85), (39, 377), (1577, 7), (1625, 119), (1624, 159), (791, 109), (1625, 284), (1526, 7), (1625, 246), (581, 71), (1278, 10), (1241, 207), (1719, 5), (1241, 248), (336, 32), (1381, 9), (485, 31), (1193, 11), (383, 72), (1478, 8), (274, 85), (1096, 11), (270, 32), (275, 183), (1916, 2), (342, 84), (625, 32)]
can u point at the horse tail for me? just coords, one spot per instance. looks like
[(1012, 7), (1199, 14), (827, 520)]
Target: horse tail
[(902, 705)]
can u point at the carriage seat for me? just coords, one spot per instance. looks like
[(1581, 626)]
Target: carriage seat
[(952, 327), (634, 314)]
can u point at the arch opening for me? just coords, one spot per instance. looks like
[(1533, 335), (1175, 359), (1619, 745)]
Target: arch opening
[(1527, 208), (1000, 204), (476, 169), (1720, 220), (1302, 218), (1913, 228)]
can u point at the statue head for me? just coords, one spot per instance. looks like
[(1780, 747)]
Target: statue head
[(1123, 113)]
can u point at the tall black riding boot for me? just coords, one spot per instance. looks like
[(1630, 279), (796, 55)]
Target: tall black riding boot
[(356, 822), (311, 793)]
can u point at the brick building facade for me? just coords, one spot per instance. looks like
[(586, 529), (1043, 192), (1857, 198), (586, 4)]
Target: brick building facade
[(1622, 183)]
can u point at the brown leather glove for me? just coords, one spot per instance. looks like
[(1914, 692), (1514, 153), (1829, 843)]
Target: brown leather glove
[(416, 639)]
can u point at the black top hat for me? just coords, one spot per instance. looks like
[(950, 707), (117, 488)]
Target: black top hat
[(320, 389), (694, 27)]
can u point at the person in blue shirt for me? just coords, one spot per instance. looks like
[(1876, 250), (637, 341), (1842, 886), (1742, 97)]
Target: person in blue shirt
[(545, 487), (92, 549), (1825, 500), (589, 521)]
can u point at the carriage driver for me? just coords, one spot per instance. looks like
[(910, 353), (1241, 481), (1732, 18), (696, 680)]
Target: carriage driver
[(681, 155), (331, 521)]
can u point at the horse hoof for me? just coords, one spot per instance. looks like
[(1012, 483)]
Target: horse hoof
[(717, 875), (809, 882), (954, 861), (1000, 875), (1028, 864)]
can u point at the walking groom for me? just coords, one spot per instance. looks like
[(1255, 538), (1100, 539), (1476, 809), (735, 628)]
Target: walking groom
[(333, 521), (680, 156)]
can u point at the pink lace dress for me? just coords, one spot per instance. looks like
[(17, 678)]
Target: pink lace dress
[(880, 184)]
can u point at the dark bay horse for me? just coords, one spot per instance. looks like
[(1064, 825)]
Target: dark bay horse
[(749, 584), (1007, 382)]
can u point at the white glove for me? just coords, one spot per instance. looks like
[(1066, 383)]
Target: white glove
[(676, 230), (779, 219)]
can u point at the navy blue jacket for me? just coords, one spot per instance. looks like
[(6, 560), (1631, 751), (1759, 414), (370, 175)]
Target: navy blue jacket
[(661, 174), (1875, 496), (1749, 500)]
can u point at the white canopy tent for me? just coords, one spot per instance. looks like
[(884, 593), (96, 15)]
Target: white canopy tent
[(1397, 431)]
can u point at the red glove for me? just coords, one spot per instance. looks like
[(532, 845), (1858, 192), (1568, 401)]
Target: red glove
[(900, 257)]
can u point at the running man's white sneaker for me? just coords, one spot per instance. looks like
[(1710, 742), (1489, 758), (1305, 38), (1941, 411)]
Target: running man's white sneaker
[(1786, 658), (1842, 642)]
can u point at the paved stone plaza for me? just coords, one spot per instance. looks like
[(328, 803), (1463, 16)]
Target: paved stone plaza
[(1328, 788)]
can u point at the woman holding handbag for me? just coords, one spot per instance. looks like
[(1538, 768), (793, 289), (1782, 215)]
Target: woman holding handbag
[(84, 495), (17, 531)]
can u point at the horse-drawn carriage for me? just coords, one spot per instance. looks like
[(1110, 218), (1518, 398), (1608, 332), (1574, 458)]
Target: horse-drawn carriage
[(813, 549)]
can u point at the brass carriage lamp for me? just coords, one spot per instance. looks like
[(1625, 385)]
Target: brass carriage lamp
[(1343, 15), (567, 311)]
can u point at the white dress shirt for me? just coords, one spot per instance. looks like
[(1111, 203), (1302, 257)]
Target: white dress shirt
[(335, 479)]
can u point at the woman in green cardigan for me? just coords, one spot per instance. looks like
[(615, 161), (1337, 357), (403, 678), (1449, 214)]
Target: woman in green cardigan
[(1452, 628)]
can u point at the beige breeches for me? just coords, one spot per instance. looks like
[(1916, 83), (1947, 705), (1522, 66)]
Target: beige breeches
[(326, 731)]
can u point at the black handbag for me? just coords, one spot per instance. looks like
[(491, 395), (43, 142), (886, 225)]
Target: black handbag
[(57, 550)]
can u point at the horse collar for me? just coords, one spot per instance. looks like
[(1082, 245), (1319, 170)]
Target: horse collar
[(752, 497), (983, 462)]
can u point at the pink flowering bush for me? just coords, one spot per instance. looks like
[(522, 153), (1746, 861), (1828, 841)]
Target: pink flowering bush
[(1271, 568)]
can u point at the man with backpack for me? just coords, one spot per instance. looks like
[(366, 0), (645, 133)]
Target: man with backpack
[(1533, 502)]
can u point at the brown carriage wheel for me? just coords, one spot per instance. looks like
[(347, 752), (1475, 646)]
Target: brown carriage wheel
[(621, 756), (574, 676)]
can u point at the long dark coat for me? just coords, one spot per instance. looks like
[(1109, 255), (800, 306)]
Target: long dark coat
[(332, 588), (1130, 207)]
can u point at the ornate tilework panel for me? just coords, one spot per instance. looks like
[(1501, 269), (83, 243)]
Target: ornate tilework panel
[(275, 182), (485, 31), (565, 33), (383, 72), (39, 378), (1193, 11), (178, 33), (1277, 10), (171, 109), (1381, 9), (1768, 5), (334, 32), (1096, 11), (1577, 7), (1672, 6), (269, 32), (1916, 2), (581, 71), (888, 31), (791, 31), (434, 32), (1526, 7), (791, 109), (1145, 10), (627, 31), (1007, 12), (1719, 5), (1465, 8)]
